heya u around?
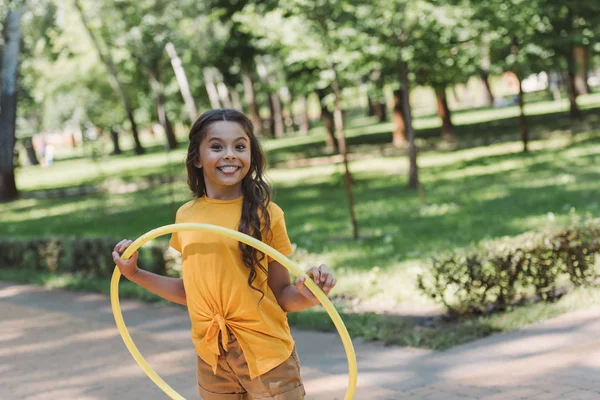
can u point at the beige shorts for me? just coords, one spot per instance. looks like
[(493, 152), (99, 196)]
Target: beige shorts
[(232, 380)]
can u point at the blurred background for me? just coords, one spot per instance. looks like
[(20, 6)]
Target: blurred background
[(395, 130)]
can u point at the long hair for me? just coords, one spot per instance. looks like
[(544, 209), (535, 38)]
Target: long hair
[(255, 190)]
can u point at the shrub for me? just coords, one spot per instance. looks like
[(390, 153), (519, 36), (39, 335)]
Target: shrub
[(495, 275), (84, 256)]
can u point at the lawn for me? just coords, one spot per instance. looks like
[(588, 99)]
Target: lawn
[(470, 195)]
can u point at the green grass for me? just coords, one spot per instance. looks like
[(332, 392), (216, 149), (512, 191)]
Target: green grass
[(484, 125), (472, 194), (363, 133)]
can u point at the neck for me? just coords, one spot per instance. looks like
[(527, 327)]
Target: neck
[(224, 193)]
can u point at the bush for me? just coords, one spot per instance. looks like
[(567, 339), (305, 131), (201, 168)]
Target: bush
[(84, 256), (496, 275)]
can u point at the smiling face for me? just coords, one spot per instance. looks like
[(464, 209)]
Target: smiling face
[(225, 159)]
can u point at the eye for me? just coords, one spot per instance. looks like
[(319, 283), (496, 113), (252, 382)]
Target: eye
[(216, 147), (240, 147)]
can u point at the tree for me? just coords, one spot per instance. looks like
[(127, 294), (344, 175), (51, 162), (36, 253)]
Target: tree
[(513, 40), (574, 24), (146, 33), (395, 26), (314, 34), (445, 54), (8, 101), (64, 87), (240, 59), (107, 59), (182, 81)]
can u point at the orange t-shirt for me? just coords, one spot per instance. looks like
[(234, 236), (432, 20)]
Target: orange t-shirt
[(217, 291)]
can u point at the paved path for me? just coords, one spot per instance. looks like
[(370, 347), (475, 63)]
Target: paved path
[(62, 345)]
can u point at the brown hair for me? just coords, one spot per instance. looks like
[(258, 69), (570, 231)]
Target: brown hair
[(256, 191)]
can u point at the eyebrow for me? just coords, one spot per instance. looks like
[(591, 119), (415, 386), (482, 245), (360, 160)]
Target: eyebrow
[(218, 139)]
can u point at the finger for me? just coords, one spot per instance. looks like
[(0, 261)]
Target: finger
[(118, 245), (315, 274), (117, 258), (323, 272), (328, 283), (302, 289), (125, 245)]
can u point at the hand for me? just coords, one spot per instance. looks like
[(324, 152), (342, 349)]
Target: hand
[(127, 267), (322, 277)]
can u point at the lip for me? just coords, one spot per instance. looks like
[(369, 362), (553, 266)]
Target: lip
[(237, 168)]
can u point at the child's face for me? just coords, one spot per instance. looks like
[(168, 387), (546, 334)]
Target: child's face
[(224, 158)]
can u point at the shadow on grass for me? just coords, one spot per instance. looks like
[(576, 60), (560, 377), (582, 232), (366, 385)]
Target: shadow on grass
[(460, 211), (466, 202), (489, 131)]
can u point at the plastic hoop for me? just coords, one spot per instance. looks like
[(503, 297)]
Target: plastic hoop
[(286, 262)]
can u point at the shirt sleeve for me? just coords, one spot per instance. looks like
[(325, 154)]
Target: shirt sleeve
[(279, 238), (175, 239), (175, 243)]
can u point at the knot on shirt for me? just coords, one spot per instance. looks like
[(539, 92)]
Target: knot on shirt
[(217, 325)]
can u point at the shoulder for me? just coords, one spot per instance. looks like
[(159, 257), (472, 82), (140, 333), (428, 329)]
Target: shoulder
[(185, 209), (275, 212)]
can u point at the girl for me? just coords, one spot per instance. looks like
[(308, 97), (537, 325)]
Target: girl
[(237, 298)]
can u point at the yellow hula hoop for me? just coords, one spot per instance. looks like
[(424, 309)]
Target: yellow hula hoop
[(290, 265)]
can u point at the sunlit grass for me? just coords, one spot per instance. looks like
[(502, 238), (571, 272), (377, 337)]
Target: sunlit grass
[(470, 195)]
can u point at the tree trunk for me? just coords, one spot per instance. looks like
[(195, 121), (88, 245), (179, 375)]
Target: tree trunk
[(270, 129), (251, 101), (223, 92), (236, 101), (399, 136), (381, 112), (182, 82), (159, 98), (114, 135), (380, 105), (341, 138), (488, 96), (30, 151), (211, 89), (570, 73), (370, 106), (522, 119), (444, 113), (574, 110), (327, 119), (171, 143), (277, 124), (413, 170), (108, 62), (304, 120), (8, 103), (286, 111), (581, 56)]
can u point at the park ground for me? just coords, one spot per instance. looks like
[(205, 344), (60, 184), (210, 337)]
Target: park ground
[(64, 345)]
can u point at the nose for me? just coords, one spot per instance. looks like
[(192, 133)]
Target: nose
[(229, 154)]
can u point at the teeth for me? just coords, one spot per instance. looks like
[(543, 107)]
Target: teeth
[(228, 169)]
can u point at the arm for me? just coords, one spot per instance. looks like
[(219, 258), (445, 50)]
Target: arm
[(168, 288), (297, 297)]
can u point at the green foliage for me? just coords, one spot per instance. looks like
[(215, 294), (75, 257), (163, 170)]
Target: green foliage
[(495, 275), (91, 257)]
